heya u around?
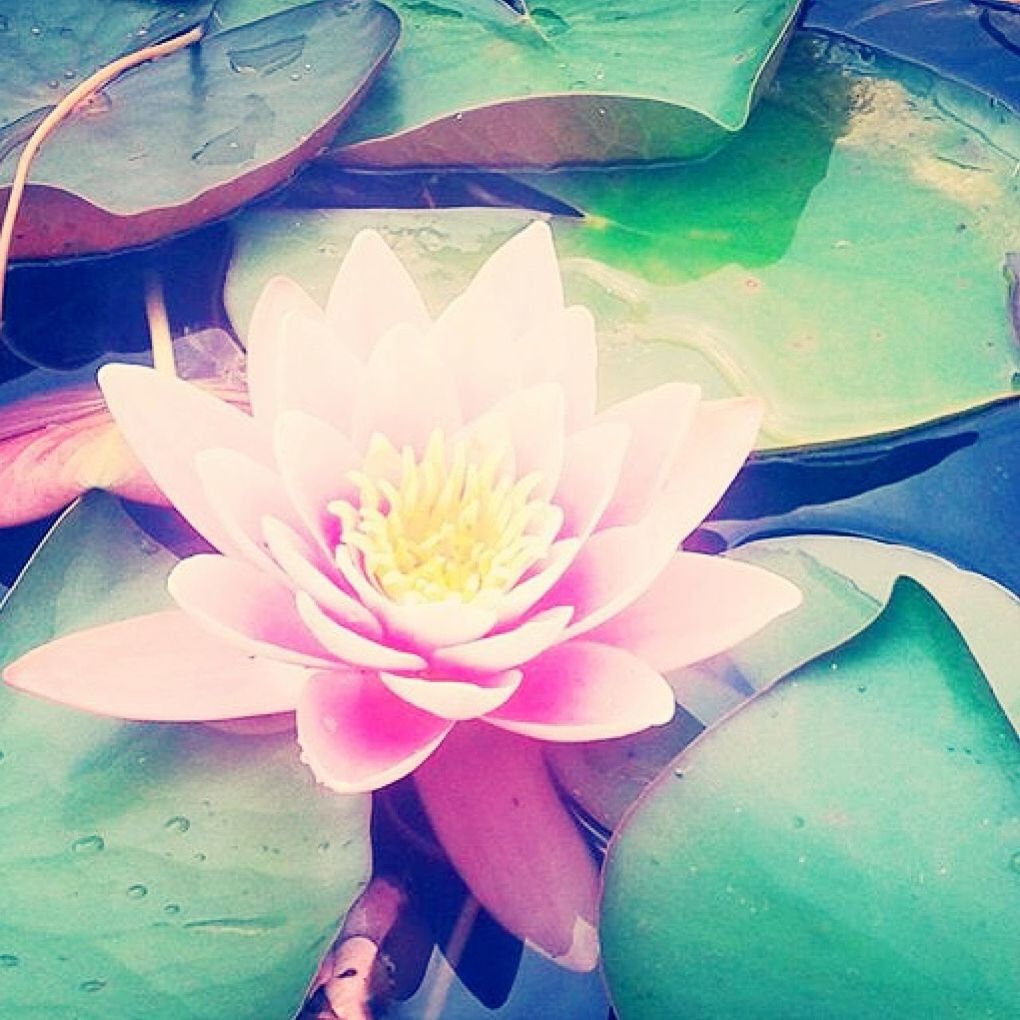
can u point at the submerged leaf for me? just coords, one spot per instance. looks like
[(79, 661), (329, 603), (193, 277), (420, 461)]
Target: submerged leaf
[(175, 872)]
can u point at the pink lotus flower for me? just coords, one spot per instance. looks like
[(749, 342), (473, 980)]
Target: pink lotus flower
[(427, 533)]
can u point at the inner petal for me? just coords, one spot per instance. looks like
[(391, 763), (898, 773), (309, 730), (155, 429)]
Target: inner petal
[(455, 524)]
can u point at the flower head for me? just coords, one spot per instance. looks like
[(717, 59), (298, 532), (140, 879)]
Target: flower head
[(422, 523)]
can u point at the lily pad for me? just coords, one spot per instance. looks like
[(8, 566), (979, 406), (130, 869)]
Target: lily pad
[(847, 845), (554, 82), (168, 871), (842, 258), (181, 140), (970, 41)]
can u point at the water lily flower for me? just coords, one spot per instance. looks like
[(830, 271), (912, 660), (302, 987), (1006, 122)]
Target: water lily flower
[(437, 551)]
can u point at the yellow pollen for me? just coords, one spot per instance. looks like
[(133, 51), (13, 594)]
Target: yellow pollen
[(452, 525)]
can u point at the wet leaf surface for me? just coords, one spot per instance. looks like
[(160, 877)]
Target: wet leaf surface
[(168, 871), (843, 846), (486, 83), (184, 139)]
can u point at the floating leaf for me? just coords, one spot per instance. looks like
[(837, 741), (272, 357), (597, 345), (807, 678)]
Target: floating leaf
[(166, 871), (842, 258), (488, 83), (181, 140), (847, 845), (969, 41)]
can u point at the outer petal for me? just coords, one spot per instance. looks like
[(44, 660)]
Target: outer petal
[(348, 646), (316, 373), (245, 607), (432, 625), (482, 357), (716, 445), (586, 691), (699, 606), (356, 736), (454, 699), (266, 343), (408, 393), (495, 811), (658, 421), (159, 667), (371, 294), (499, 652), (519, 285), (167, 422)]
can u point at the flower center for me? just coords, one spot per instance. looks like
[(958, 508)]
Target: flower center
[(452, 525)]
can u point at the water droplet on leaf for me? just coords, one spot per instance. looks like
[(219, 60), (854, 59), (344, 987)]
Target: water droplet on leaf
[(177, 824), (137, 892), (88, 844)]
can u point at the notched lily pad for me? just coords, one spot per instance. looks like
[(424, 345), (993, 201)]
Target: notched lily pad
[(168, 871), (556, 82), (181, 140), (847, 845)]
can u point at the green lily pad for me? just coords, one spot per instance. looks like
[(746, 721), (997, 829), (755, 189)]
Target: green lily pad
[(842, 258), (181, 140), (846, 845), (846, 583), (554, 82), (169, 871)]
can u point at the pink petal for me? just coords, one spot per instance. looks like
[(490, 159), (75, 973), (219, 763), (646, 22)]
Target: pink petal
[(454, 699), (371, 294), (242, 492), (356, 736), (494, 809), (564, 350), (613, 569), (718, 442), (349, 646), (483, 359), (408, 393), (432, 625), (314, 461), (280, 297), (658, 421), (519, 284), (586, 691), (310, 573), (246, 607), (520, 599), (167, 422), (159, 667), (317, 374), (699, 606), (592, 462), (500, 652)]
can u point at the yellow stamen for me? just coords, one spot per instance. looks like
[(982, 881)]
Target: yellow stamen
[(452, 525)]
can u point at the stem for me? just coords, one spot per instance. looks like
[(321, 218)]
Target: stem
[(59, 113), (159, 328)]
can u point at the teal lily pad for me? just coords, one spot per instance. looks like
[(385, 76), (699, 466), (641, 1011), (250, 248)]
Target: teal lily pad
[(846, 845), (554, 82), (175, 872), (842, 258), (182, 140)]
